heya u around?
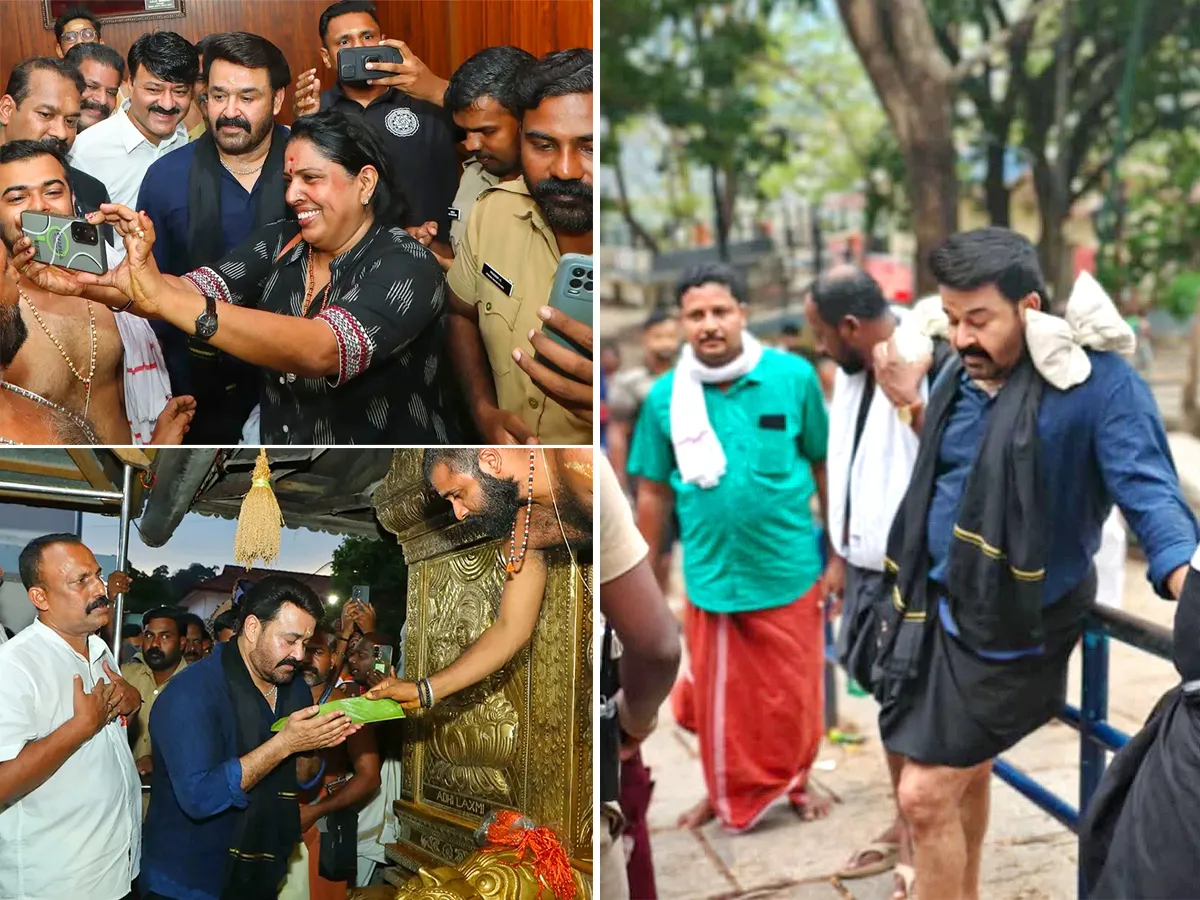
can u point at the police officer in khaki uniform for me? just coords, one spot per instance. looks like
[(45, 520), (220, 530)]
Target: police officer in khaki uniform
[(505, 264), (481, 97)]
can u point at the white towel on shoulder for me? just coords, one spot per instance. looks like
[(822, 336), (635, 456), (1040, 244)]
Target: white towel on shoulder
[(147, 385), (698, 451)]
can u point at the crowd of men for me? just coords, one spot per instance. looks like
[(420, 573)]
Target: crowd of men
[(966, 477), (344, 280), (163, 779)]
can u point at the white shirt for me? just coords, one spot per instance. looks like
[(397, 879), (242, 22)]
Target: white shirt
[(79, 833), (119, 155)]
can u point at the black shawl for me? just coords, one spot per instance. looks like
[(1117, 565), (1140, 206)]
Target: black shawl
[(268, 829), (996, 565), (204, 198)]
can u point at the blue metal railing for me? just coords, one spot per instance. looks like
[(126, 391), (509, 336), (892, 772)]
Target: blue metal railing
[(1096, 736)]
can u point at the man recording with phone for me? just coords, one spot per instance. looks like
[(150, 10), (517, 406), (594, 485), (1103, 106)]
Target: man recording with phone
[(418, 134), (506, 264)]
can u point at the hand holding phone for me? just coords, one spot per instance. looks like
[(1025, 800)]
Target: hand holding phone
[(65, 241), (352, 62)]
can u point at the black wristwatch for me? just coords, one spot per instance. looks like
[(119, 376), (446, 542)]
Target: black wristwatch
[(206, 322)]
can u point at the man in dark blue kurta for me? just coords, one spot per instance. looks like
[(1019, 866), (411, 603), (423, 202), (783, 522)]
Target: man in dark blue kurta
[(223, 816), (969, 665)]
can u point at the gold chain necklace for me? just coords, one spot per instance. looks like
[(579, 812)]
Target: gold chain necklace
[(312, 286), (87, 382)]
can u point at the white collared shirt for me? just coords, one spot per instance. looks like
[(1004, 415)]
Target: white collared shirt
[(79, 833), (115, 152)]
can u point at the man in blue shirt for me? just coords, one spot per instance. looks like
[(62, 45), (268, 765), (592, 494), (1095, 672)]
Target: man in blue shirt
[(991, 552), (223, 816), (205, 199)]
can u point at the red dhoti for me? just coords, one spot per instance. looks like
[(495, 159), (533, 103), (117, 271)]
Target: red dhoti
[(754, 696)]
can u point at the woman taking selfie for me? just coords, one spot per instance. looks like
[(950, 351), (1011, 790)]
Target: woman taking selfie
[(341, 308)]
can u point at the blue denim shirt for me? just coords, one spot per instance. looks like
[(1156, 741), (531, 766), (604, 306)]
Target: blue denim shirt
[(1101, 442), (197, 780)]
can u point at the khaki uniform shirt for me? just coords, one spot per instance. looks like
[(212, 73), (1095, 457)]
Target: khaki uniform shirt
[(475, 180), (505, 268), (138, 673)]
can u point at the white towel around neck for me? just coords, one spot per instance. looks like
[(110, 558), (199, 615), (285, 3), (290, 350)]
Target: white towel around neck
[(1056, 345), (698, 451)]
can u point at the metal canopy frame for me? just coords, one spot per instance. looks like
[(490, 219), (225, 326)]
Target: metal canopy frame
[(49, 477)]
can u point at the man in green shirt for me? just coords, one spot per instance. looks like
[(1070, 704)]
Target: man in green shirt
[(734, 439)]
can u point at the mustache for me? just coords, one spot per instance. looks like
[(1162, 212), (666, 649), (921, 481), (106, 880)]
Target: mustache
[(239, 122), (154, 653), (291, 664), (96, 604), (155, 108), (97, 107), (556, 188), (56, 144), (976, 352)]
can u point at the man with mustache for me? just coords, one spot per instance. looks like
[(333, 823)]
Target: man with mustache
[(159, 660), (206, 199), (191, 634), (989, 558), (223, 816), (42, 103), (103, 70), (118, 151), (69, 793), (505, 265), (505, 491), (734, 440), (418, 132)]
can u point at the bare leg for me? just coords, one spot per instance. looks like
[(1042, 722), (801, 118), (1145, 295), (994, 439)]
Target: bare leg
[(930, 798), (900, 828), (975, 805)]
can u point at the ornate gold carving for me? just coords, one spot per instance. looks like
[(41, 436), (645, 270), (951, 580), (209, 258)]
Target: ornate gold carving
[(485, 875), (520, 739)]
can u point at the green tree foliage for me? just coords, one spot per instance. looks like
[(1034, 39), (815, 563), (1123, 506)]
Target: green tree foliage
[(146, 591)]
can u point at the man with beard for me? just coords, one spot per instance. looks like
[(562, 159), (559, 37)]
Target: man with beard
[(103, 70), (734, 439), (990, 554), (223, 815), (482, 99), (160, 660), (206, 199), (69, 793), (74, 359), (118, 151), (505, 265), (871, 454), (351, 776), (509, 492), (419, 135), (42, 103)]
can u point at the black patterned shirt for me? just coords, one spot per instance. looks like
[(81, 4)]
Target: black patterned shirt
[(386, 305)]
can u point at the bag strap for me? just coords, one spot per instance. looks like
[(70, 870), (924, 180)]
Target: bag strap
[(288, 246)]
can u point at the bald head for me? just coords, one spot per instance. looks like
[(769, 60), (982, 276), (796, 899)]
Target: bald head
[(848, 314)]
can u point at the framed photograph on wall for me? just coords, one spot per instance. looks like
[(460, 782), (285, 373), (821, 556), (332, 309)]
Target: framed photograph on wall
[(114, 10)]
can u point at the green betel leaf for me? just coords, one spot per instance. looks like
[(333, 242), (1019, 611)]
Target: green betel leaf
[(359, 709)]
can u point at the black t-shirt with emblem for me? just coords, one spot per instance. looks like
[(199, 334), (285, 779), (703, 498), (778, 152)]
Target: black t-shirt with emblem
[(420, 138), (386, 304)]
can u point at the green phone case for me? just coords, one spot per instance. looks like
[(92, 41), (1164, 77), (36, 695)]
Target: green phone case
[(359, 709)]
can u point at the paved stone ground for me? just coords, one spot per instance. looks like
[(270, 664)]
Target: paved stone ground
[(1028, 855)]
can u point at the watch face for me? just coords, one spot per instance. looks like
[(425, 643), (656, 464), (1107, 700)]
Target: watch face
[(206, 325)]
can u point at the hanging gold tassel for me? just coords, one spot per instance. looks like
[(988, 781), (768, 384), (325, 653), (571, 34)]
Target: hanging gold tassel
[(260, 522)]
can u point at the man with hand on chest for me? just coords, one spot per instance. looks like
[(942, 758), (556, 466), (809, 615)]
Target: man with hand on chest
[(70, 799)]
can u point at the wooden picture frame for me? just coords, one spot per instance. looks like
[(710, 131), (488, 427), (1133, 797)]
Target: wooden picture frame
[(112, 11)]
